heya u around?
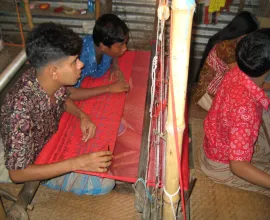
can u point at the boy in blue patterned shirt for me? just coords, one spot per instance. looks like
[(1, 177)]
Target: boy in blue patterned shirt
[(100, 52)]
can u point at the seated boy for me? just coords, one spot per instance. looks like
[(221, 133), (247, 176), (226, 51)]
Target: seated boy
[(100, 52), (34, 105), (230, 154)]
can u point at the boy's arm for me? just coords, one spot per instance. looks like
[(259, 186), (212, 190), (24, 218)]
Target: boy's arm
[(17, 130), (87, 126), (116, 73), (115, 63), (78, 94), (250, 173), (94, 162), (242, 138)]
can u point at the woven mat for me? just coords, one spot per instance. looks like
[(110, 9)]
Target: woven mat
[(211, 201), (50, 205)]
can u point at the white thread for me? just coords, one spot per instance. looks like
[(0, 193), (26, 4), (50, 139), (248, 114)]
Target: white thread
[(155, 140), (170, 197)]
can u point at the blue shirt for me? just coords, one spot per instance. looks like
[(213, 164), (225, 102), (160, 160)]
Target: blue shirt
[(88, 57)]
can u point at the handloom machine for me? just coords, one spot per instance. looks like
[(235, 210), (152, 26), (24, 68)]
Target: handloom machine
[(161, 169)]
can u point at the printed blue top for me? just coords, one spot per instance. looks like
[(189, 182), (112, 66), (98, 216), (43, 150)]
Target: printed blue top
[(88, 57)]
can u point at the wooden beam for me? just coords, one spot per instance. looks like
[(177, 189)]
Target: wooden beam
[(28, 14), (154, 35), (241, 5), (181, 16), (105, 7), (97, 9)]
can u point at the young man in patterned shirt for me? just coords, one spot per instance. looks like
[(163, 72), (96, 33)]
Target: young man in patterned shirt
[(230, 154), (32, 109)]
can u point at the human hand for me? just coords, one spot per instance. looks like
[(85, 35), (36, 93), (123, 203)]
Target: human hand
[(93, 162), (119, 86), (116, 74), (87, 127)]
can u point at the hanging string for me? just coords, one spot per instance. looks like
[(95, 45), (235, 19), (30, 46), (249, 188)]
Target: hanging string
[(145, 187), (155, 100), (171, 201), (153, 89)]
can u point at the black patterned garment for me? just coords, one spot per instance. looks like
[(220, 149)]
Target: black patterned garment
[(28, 120)]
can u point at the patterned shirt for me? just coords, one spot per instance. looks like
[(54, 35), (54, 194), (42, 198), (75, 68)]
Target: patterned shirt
[(215, 67), (88, 57), (232, 124), (28, 120)]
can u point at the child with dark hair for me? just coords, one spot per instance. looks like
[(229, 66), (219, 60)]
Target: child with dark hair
[(99, 53), (35, 104), (230, 153), (219, 56)]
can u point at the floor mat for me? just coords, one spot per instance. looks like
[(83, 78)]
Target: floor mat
[(211, 201), (52, 205)]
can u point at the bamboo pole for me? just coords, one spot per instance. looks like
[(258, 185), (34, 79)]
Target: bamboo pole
[(181, 24), (97, 9), (105, 7), (28, 14), (20, 25)]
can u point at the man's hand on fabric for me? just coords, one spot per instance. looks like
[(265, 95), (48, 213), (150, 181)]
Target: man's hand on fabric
[(88, 128), (119, 86), (116, 74), (94, 162)]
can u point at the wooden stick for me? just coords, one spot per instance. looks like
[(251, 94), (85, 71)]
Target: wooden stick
[(181, 24), (13, 45), (154, 34), (241, 5), (28, 14), (97, 9), (20, 25), (105, 7)]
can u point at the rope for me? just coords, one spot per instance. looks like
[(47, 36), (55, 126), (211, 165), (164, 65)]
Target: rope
[(146, 190), (156, 98), (153, 89), (170, 197)]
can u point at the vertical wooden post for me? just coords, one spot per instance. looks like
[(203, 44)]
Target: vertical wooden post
[(181, 25), (154, 34), (97, 9), (105, 7), (28, 14), (20, 25), (241, 5)]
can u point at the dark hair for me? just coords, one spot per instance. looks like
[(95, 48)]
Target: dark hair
[(253, 53), (49, 42), (243, 23), (109, 29)]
